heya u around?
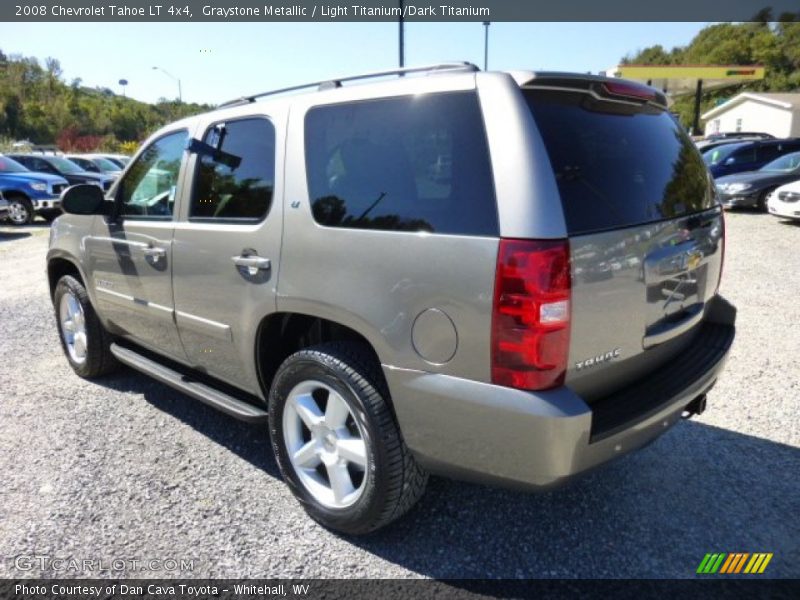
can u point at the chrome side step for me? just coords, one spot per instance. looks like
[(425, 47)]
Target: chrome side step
[(199, 391)]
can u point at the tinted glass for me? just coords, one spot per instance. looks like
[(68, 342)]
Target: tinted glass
[(742, 156), (237, 182), (768, 152), (64, 165), (85, 164), (37, 164), (148, 189), (8, 165), (787, 162), (105, 164), (402, 164), (616, 164), (720, 153)]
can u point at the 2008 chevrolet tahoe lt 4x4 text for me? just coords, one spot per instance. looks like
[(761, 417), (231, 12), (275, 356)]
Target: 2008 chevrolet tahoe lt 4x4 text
[(501, 277)]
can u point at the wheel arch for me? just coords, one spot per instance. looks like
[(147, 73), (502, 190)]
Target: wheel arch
[(281, 334), (57, 267), (9, 193)]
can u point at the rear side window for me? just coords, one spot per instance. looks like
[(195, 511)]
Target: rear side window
[(401, 164), (617, 164), (237, 181)]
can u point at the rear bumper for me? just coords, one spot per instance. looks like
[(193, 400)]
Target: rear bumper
[(481, 432)]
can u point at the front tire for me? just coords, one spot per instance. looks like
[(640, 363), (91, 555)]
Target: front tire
[(50, 215), (336, 441), (20, 210), (762, 200), (85, 341)]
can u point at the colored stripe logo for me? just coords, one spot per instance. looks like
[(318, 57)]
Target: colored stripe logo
[(734, 562)]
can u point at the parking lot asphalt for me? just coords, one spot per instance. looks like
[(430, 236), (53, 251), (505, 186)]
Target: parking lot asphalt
[(126, 468)]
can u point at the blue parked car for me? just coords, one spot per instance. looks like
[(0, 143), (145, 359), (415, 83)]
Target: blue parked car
[(29, 193), (747, 156)]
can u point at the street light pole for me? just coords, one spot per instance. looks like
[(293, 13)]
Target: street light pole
[(486, 46), (401, 49), (171, 76)]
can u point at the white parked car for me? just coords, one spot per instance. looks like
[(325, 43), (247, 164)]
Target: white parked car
[(784, 202)]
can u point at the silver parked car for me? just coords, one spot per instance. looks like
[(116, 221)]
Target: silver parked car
[(503, 277)]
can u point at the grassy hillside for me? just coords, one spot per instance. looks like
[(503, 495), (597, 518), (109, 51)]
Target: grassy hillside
[(37, 105), (775, 45)]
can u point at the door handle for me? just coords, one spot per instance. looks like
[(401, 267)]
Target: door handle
[(256, 263), (154, 252)]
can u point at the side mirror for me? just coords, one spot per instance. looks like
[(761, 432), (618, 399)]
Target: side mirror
[(84, 199)]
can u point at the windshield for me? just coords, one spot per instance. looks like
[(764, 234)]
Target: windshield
[(105, 165), (787, 162), (720, 153), (8, 165), (64, 165)]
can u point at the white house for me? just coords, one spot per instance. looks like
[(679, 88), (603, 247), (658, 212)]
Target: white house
[(775, 113)]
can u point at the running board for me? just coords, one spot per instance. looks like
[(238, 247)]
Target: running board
[(199, 391)]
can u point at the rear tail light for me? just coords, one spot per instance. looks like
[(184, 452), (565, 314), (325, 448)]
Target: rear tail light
[(531, 314)]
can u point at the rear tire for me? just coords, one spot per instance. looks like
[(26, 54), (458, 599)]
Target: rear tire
[(20, 210), (84, 340), (330, 421)]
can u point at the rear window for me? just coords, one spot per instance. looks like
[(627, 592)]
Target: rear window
[(616, 164), (417, 163)]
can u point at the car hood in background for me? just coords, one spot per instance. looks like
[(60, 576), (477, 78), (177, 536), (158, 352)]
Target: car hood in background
[(35, 176), (759, 179)]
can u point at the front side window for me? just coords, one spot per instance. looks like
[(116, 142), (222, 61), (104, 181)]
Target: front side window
[(235, 177), (401, 164), (149, 187)]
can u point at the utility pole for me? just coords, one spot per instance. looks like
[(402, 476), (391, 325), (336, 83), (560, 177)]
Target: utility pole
[(486, 46), (402, 49)]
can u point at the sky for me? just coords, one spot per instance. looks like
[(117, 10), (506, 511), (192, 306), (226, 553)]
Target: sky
[(219, 61)]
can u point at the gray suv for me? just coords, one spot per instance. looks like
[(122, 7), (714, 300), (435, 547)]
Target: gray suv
[(499, 277)]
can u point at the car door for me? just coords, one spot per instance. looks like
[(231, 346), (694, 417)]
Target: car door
[(130, 253), (227, 246)]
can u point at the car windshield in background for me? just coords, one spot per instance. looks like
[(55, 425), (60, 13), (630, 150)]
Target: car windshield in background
[(105, 165), (8, 165), (64, 165), (618, 165), (720, 153), (787, 162)]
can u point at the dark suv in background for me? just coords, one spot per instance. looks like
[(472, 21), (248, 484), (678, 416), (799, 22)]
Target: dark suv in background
[(747, 156)]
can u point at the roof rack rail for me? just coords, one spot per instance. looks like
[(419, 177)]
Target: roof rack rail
[(327, 84)]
